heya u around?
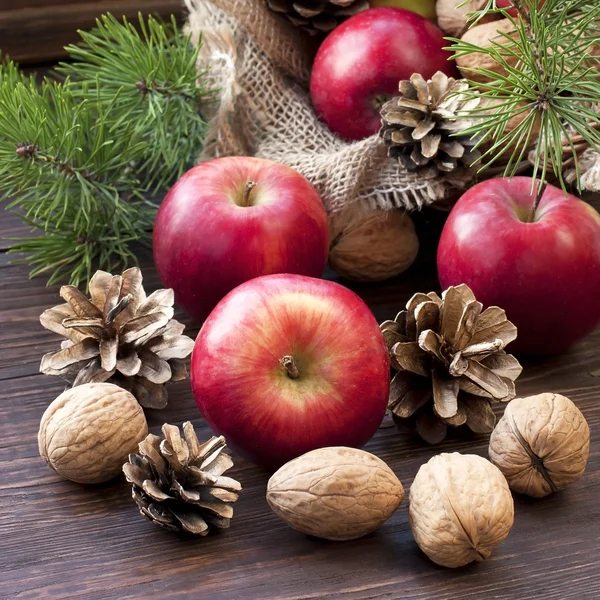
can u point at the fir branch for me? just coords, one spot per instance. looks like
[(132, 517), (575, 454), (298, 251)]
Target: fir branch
[(549, 77), (154, 71), (79, 157)]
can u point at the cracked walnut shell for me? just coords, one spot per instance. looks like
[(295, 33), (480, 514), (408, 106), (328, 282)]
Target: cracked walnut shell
[(335, 493), (460, 508), (87, 433), (541, 444)]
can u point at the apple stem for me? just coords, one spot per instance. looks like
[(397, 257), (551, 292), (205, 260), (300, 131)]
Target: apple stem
[(290, 366), (538, 198), (250, 185)]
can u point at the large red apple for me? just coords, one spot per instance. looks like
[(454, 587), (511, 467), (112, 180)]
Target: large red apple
[(360, 64), (286, 364), (544, 272), (232, 219)]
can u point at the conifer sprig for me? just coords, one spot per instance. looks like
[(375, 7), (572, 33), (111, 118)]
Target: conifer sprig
[(550, 78), (80, 157)]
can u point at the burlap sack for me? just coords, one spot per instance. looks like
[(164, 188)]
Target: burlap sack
[(262, 67)]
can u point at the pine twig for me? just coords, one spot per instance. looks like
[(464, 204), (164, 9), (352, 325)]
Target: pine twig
[(548, 76), (80, 157)]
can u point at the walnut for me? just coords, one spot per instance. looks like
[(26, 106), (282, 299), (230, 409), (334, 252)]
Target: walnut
[(460, 508), (372, 244), (335, 493), (452, 15), (483, 36), (87, 433), (541, 444)]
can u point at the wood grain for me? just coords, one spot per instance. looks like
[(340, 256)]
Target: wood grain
[(62, 540), (36, 31)]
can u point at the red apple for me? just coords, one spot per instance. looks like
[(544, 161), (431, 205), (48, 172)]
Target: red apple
[(229, 220), (361, 62), (286, 364), (544, 273)]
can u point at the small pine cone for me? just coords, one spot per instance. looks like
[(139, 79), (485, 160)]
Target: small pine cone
[(120, 336), (317, 16), (420, 126), (451, 363), (178, 483)]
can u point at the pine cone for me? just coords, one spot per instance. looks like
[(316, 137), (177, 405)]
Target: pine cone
[(178, 483), (420, 126), (120, 336), (449, 351), (317, 16)]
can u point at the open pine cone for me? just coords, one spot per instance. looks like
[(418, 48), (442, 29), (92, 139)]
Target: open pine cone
[(420, 126), (118, 335), (178, 483), (317, 16), (451, 362)]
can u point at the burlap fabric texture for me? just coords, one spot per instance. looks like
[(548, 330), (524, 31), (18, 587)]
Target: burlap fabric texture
[(261, 65)]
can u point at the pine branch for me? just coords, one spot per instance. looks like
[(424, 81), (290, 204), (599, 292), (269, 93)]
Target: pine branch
[(549, 77), (158, 87), (79, 157)]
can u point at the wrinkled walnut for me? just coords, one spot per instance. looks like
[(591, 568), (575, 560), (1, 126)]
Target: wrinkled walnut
[(335, 493), (460, 508), (372, 245), (541, 444), (484, 36), (87, 433)]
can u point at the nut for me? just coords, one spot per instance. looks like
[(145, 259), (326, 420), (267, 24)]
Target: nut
[(87, 433), (335, 493), (460, 508), (541, 444), (483, 36), (372, 244), (452, 17), (499, 107)]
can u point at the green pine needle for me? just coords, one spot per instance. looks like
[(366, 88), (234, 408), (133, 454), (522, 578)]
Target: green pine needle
[(78, 158), (554, 84), (153, 70)]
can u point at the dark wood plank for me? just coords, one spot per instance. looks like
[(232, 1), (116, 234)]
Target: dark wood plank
[(62, 540), (36, 32)]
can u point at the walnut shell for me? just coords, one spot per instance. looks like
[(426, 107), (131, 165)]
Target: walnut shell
[(452, 17), (460, 508), (335, 493), (541, 444), (498, 106), (372, 244), (87, 433), (482, 36)]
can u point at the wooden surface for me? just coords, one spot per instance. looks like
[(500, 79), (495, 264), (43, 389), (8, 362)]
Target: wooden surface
[(36, 31), (62, 540)]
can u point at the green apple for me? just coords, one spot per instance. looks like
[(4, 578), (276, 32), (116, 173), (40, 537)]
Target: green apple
[(425, 8)]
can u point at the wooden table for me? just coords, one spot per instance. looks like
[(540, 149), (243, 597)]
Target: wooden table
[(62, 540)]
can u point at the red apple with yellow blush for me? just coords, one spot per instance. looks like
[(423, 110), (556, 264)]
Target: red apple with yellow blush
[(286, 364)]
